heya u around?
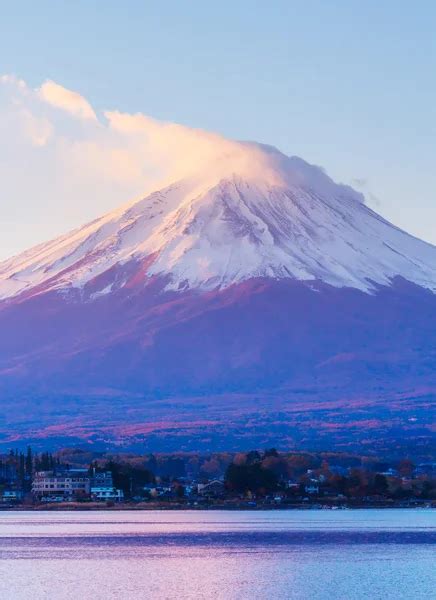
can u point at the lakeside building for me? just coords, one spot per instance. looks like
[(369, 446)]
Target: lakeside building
[(102, 488), (214, 488), (102, 479), (104, 494), (61, 484), (312, 488), (12, 496), (156, 491), (74, 484)]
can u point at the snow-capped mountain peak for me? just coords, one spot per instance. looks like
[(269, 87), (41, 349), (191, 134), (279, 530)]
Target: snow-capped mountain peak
[(256, 213)]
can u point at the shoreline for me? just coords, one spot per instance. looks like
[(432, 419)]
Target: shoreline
[(72, 507)]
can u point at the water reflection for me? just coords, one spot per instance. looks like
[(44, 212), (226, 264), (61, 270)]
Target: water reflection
[(222, 555)]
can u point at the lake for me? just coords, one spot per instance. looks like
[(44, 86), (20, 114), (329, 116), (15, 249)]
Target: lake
[(274, 555)]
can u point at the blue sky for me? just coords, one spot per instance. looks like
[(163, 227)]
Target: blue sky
[(347, 85)]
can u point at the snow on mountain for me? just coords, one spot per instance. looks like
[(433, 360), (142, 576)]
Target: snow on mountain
[(266, 215)]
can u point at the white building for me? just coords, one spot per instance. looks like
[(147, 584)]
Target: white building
[(212, 489), (106, 494), (62, 484), (11, 495)]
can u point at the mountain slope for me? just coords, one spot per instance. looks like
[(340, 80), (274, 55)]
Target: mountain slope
[(256, 277)]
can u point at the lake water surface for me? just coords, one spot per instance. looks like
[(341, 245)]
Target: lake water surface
[(295, 554)]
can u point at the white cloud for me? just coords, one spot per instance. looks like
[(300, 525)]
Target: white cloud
[(61, 165), (67, 100), (39, 130)]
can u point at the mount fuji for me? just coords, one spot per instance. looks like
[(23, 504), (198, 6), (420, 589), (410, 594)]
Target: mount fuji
[(241, 299)]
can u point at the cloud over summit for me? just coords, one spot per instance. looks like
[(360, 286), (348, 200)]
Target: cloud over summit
[(62, 164)]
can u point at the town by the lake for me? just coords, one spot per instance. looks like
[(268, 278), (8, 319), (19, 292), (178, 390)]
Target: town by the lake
[(79, 479)]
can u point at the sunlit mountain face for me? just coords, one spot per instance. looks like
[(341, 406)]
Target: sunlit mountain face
[(258, 282)]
